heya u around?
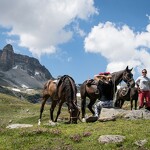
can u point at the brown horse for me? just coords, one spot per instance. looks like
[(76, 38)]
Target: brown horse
[(90, 89), (64, 90), (126, 94)]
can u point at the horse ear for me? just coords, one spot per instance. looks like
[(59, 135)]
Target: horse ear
[(131, 69), (127, 68)]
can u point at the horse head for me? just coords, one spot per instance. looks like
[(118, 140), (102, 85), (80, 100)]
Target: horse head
[(123, 75), (74, 115), (128, 77)]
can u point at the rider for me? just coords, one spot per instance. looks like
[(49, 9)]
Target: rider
[(106, 91), (105, 87)]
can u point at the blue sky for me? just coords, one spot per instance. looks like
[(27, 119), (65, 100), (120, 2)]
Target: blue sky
[(79, 37)]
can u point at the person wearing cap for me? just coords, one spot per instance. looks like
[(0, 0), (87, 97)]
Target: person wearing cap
[(105, 87), (143, 85), (106, 95), (103, 76)]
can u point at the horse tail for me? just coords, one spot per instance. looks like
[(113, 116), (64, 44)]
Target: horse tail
[(74, 89), (83, 90)]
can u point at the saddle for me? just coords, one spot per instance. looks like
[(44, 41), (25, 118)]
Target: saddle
[(92, 86), (91, 82)]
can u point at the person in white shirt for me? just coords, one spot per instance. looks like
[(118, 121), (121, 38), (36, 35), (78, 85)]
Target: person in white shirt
[(143, 85)]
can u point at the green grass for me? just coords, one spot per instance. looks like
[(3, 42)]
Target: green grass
[(63, 136)]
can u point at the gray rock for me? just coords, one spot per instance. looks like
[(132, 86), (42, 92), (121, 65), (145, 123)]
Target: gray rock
[(138, 114), (111, 138), (14, 126), (127, 114), (141, 142), (111, 112), (134, 114)]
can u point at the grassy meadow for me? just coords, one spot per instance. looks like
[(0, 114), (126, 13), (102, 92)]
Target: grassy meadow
[(63, 136)]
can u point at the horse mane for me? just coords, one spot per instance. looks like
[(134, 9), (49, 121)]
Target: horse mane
[(117, 75)]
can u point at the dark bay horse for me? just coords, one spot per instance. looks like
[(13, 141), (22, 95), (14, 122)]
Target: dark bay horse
[(64, 90), (126, 94), (90, 90)]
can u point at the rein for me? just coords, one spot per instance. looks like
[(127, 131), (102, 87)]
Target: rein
[(76, 118)]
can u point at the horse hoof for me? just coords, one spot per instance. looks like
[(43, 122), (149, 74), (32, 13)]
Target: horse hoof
[(83, 120), (52, 123), (39, 122)]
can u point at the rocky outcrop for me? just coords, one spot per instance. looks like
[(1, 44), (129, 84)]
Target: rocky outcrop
[(127, 114), (7, 58)]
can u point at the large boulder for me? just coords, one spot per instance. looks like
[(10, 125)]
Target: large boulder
[(127, 114)]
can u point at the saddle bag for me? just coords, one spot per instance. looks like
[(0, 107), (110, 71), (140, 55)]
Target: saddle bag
[(124, 91)]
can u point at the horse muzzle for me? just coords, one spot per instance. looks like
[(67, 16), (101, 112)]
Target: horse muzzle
[(131, 83)]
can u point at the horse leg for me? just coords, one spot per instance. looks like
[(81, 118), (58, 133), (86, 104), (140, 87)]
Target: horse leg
[(83, 105), (42, 108), (135, 103), (131, 103), (90, 105), (117, 103), (53, 105), (59, 111)]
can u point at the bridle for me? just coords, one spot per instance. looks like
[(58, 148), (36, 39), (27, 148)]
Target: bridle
[(77, 116), (127, 79)]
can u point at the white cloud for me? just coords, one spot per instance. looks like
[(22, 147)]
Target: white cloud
[(79, 31), (148, 16), (10, 41), (41, 25), (121, 46)]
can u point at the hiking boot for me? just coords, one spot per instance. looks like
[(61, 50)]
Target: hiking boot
[(92, 119)]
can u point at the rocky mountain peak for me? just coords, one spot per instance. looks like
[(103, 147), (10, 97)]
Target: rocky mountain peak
[(8, 48), (20, 70)]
